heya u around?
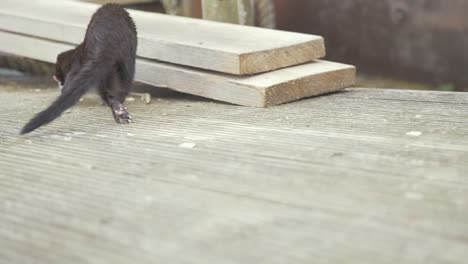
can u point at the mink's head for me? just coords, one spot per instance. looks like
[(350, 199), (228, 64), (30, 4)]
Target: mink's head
[(62, 66)]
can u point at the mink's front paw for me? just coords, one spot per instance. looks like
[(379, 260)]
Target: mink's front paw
[(121, 114)]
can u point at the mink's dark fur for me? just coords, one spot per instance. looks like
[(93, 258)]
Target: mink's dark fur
[(105, 60)]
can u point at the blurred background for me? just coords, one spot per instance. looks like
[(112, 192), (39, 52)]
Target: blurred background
[(411, 44)]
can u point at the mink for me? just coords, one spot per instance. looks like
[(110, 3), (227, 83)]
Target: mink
[(104, 60)]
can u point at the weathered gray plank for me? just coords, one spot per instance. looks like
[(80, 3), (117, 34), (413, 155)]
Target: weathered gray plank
[(330, 180), (203, 44), (410, 95), (262, 90), (334, 179)]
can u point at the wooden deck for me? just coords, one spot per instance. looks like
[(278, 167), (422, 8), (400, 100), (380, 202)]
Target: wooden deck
[(361, 176)]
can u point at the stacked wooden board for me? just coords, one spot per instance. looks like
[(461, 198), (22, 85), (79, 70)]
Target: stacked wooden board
[(237, 64)]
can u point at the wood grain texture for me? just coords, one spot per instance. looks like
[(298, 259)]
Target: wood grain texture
[(262, 90), (198, 43), (335, 179)]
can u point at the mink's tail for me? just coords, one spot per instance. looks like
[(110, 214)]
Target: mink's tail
[(88, 76)]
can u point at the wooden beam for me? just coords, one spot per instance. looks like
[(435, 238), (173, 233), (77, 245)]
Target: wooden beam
[(235, 11), (262, 90), (178, 7), (121, 2), (197, 43)]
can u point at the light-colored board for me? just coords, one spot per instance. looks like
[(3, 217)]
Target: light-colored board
[(335, 179), (262, 90), (198, 43)]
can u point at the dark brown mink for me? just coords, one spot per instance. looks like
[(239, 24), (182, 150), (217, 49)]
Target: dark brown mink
[(104, 60)]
